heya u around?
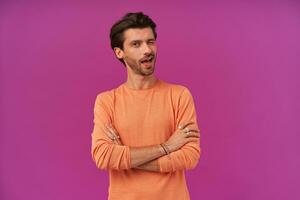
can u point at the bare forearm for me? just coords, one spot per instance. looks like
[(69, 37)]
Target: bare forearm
[(185, 158), (149, 166), (142, 155)]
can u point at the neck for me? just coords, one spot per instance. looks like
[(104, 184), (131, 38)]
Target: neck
[(140, 82)]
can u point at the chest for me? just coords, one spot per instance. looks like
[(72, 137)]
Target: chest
[(142, 121)]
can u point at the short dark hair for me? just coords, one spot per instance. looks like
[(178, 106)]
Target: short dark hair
[(130, 20)]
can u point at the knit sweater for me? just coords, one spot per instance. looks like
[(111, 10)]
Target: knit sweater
[(144, 117)]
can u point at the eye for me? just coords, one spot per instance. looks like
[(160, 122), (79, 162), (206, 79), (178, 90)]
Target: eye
[(151, 42), (135, 44)]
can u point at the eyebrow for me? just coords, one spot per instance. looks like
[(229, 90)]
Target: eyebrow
[(152, 39)]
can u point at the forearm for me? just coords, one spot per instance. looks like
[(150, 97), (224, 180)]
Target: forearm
[(182, 159), (142, 155), (185, 158), (149, 166)]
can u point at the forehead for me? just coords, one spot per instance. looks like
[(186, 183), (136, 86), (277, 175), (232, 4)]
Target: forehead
[(138, 34)]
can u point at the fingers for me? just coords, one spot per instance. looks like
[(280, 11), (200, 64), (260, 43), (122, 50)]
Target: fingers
[(192, 134), (112, 130), (185, 124), (108, 133), (187, 130), (192, 139), (113, 134)]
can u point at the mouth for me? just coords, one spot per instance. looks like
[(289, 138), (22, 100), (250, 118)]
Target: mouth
[(147, 61)]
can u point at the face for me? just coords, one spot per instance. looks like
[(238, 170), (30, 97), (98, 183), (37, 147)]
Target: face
[(139, 51)]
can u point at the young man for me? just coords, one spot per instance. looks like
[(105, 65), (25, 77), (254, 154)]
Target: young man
[(145, 130)]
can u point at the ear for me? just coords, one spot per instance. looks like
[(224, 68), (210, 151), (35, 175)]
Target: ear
[(119, 52)]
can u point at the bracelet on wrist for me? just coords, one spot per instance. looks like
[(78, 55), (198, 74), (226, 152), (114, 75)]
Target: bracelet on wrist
[(166, 149)]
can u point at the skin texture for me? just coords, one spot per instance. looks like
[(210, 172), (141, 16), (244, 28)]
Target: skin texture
[(140, 44)]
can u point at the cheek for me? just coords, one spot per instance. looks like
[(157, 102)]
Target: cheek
[(132, 60), (154, 48), (133, 56)]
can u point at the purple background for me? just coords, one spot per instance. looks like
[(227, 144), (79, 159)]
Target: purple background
[(240, 60)]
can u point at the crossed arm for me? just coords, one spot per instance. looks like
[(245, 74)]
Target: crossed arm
[(110, 153), (146, 158)]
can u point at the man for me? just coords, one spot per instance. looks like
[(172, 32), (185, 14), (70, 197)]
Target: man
[(145, 130)]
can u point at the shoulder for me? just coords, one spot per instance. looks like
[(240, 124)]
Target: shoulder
[(177, 89), (106, 96)]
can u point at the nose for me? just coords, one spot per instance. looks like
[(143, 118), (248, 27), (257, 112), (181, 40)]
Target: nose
[(146, 49)]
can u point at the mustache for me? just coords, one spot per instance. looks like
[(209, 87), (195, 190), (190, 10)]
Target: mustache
[(147, 57)]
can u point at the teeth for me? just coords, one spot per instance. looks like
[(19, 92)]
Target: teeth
[(147, 60)]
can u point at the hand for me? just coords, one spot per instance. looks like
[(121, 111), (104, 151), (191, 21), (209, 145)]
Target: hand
[(185, 133), (112, 133)]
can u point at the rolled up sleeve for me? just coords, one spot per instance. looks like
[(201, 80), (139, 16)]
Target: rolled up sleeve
[(187, 157), (105, 153)]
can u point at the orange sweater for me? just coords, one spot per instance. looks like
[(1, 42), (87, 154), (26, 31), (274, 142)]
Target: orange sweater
[(142, 118)]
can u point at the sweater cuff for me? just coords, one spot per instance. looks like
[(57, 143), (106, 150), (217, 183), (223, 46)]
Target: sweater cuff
[(164, 164), (128, 164)]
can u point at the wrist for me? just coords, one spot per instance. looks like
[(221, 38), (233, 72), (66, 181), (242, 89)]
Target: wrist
[(162, 150), (165, 148), (170, 146)]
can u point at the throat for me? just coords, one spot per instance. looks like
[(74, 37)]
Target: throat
[(141, 84)]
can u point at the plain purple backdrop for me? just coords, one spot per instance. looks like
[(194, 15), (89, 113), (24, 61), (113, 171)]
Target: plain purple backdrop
[(239, 59)]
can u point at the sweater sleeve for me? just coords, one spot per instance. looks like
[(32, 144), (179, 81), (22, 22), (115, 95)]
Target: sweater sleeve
[(188, 155), (105, 153)]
